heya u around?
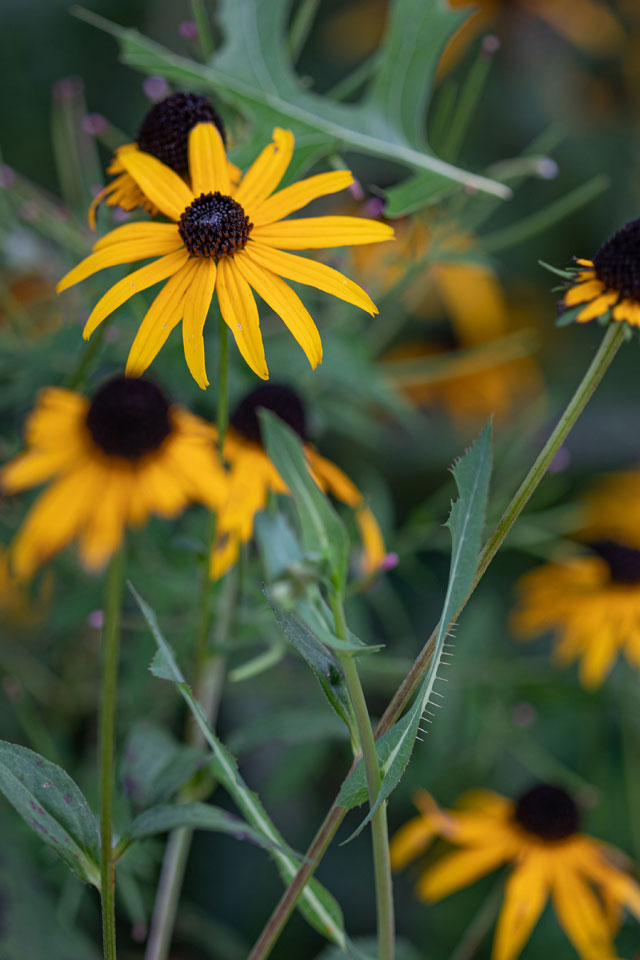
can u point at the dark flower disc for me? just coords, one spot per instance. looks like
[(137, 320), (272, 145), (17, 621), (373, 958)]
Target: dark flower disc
[(623, 562), (129, 417), (164, 132), (282, 400), (617, 262), (548, 812), (214, 225)]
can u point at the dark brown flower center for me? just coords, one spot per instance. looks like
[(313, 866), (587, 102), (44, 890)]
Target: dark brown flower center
[(623, 562), (129, 417), (282, 400), (548, 812), (214, 225), (617, 262), (164, 132)]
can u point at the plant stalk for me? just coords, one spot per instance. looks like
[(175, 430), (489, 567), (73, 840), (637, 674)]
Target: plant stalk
[(222, 416), (610, 345), (379, 829), (110, 657)]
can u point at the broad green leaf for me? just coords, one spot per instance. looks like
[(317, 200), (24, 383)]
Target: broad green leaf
[(466, 523), (196, 816), (316, 904), (323, 532), (154, 765), (252, 72), (53, 806), (278, 544)]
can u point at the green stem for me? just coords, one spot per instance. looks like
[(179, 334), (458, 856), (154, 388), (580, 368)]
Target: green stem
[(110, 654), (379, 829), (201, 19), (610, 345), (222, 417)]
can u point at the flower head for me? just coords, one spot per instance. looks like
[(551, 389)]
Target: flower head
[(591, 603), (164, 134), (608, 286), (110, 461), (538, 835), (253, 477), (228, 239)]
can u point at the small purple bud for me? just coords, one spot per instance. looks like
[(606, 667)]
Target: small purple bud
[(561, 461), (7, 175), (356, 191), (390, 562), (120, 215), (188, 30), (490, 45), (94, 124), (524, 714), (374, 207), (67, 89), (155, 88), (96, 619)]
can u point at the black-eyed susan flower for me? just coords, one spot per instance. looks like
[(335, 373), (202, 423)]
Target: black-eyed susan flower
[(110, 461), (164, 133), (611, 509), (230, 240), (591, 603), (252, 477), (608, 286), (538, 835)]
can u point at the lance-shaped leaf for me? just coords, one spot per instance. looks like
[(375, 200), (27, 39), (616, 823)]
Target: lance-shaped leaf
[(466, 523), (154, 765), (252, 71), (54, 807), (323, 532), (316, 904)]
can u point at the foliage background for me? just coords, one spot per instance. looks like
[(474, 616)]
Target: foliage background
[(509, 717)]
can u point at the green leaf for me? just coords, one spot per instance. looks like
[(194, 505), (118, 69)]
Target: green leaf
[(196, 816), (466, 523), (53, 806), (323, 532), (316, 904), (252, 72), (155, 765), (277, 542), (565, 274)]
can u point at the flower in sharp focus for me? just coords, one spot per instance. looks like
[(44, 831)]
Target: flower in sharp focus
[(164, 133), (229, 240), (538, 835), (608, 286), (111, 461), (252, 477), (591, 603)]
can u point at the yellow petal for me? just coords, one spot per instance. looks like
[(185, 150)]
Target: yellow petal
[(159, 183), (374, 550), (138, 280), (597, 307), (298, 195), (265, 173), (224, 555), (332, 479), (208, 167), (525, 897), (138, 231), (95, 203), (162, 316), (459, 869), (581, 915), (318, 275), (286, 303), (117, 254), (474, 299), (196, 308), (33, 468), (584, 263), (600, 654), (628, 311), (104, 526), (410, 840), (240, 313), (309, 233), (583, 292)]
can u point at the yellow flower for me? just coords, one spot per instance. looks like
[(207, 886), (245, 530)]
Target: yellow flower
[(229, 240), (252, 476), (609, 285), (111, 462), (538, 835), (164, 134), (612, 509), (591, 603)]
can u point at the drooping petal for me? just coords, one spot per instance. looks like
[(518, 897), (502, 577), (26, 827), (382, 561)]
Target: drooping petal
[(459, 869), (597, 307), (410, 841), (525, 897), (224, 554), (286, 303), (374, 550), (119, 253), (298, 195), (162, 316), (208, 167), (137, 231), (312, 273), (103, 528), (240, 313), (159, 183), (332, 479), (265, 173), (127, 287), (629, 311), (581, 915), (600, 653), (309, 233), (583, 292), (196, 308)]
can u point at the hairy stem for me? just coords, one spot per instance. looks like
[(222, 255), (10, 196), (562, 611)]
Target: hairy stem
[(110, 656), (610, 345)]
